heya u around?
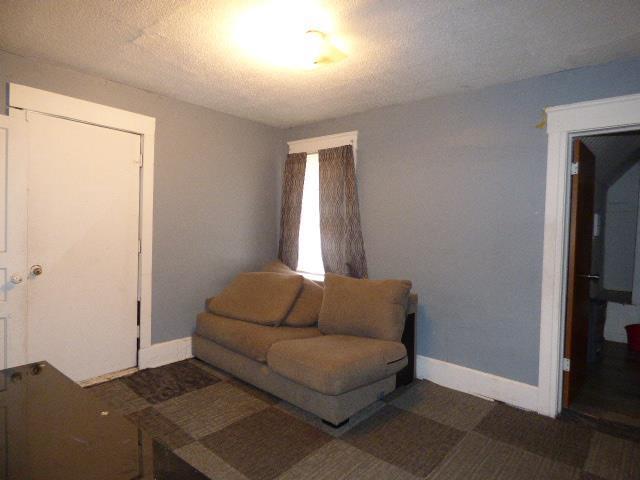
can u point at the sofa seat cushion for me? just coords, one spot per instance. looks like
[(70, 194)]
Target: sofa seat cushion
[(245, 338), (258, 297), (335, 364)]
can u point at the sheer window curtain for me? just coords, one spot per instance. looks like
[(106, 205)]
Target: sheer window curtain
[(292, 188), (341, 233)]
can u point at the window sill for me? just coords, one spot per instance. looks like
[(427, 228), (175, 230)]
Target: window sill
[(316, 277)]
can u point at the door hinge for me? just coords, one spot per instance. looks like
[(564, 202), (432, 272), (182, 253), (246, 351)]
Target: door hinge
[(140, 158), (566, 364), (139, 246), (138, 332), (575, 167)]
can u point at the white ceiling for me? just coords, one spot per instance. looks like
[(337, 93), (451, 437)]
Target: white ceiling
[(399, 50)]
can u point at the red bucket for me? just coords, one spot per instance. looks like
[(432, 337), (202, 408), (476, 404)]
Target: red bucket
[(633, 336)]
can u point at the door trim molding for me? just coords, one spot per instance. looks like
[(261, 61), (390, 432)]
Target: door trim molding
[(16, 237), (26, 98), (563, 123), (163, 353), (42, 101)]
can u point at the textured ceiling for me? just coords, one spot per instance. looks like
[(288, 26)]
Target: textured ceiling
[(398, 50), (615, 154)]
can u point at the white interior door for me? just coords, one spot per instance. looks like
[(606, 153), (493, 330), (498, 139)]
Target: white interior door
[(82, 246)]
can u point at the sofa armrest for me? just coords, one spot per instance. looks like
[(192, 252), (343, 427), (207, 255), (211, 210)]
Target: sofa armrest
[(412, 305), (408, 373)]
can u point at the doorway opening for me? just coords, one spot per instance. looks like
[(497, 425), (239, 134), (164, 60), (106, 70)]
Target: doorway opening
[(601, 367)]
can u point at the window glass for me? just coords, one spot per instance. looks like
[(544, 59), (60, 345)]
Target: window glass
[(309, 249)]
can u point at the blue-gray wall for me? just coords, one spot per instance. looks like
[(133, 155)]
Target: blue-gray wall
[(215, 189), (451, 193), (452, 197)]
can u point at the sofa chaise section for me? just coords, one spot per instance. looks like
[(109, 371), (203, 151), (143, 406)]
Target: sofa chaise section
[(336, 364), (334, 409)]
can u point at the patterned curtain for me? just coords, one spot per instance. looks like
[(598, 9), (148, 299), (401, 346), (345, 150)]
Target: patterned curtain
[(292, 187), (341, 235)]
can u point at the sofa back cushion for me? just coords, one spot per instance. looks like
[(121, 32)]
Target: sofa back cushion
[(364, 308), (259, 297), (306, 309), (277, 266)]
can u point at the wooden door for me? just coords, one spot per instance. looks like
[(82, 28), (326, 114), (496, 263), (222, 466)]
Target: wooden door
[(579, 275), (82, 236)]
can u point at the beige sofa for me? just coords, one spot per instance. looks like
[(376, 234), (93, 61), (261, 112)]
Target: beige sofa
[(331, 350)]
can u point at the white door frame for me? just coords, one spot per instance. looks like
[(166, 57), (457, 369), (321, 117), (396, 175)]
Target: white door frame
[(23, 98), (563, 123)]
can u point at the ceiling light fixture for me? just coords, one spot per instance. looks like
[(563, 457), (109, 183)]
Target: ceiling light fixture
[(319, 49), (288, 34)]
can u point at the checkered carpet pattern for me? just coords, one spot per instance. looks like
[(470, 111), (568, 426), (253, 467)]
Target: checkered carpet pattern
[(227, 429)]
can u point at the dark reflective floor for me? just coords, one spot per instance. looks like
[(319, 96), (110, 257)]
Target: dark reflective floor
[(612, 388), (50, 428)]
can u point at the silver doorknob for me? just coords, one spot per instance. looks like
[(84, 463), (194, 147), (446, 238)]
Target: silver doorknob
[(16, 278), (36, 270), (591, 277)]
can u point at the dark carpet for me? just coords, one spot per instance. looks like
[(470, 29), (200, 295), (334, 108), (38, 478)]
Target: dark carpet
[(229, 430)]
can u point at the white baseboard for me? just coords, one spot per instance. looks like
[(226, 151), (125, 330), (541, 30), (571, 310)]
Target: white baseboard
[(163, 353), (477, 383)]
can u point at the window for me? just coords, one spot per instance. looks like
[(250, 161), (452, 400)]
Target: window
[(309, 249)]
